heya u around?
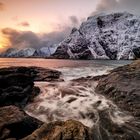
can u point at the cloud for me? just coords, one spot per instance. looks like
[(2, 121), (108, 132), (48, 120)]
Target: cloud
[(74, 20), (106, 5), (24, 24), (29, 39), (21, 39), (118, 5), (2, 6)]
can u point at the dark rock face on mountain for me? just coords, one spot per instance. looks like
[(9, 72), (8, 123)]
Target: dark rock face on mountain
[(136, 51), (122, 85), (69, 130), (16, 124), (42, 52), (112, 36)]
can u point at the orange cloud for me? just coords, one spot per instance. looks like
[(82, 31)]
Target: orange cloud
[(24, 24), (2, 6)]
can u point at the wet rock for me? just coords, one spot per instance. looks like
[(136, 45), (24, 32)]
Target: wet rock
[(15, 89), (17, 83), (37, 73), (16, 124), (122, 86), (41, 74), (69, 130), (107, 129), (89, 78)]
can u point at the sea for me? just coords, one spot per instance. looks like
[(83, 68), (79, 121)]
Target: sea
[(70, 69), (69, 99)]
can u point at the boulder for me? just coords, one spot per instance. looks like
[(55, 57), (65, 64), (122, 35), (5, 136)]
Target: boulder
[(15, 123), (69, 130), (17, 83), (122, 86), (15, 89)]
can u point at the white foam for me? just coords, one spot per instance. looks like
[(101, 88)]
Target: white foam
[(77, 72), (72, 100)]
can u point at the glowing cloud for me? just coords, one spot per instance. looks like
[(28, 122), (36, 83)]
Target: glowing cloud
[(24, 24), (2, 6)]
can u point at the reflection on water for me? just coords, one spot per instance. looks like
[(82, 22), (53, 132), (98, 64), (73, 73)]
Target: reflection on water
[(54, 63)]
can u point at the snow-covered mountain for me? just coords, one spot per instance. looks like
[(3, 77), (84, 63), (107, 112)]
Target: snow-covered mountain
[(29, 52), (13, 52), (111, 36)]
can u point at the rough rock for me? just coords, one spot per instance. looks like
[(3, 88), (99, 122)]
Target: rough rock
[(43, 52), (42, 74), (17, 83), (16, 124), (108, 129), (69, 130), (136, 51), (15, 89), (104, 36), (37, 73), (122, 86)]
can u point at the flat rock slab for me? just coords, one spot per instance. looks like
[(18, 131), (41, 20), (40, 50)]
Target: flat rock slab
[(37, 73)]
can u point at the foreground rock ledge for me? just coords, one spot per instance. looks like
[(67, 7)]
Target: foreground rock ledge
[(15, 123), (122, 86), (17, 83), (37, 73), (69, 130)]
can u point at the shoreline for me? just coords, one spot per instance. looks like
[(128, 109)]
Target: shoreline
[(75, 90)]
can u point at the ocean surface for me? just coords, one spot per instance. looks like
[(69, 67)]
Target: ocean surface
[(70, 69), (71, 99)]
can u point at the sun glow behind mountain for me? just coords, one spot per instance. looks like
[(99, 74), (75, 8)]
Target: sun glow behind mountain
[(42, 16), (53, 17)]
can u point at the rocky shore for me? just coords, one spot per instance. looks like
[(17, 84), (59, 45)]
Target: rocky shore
[(17, 89)]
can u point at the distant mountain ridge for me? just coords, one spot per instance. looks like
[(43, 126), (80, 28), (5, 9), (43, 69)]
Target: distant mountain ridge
[(111, 36), (29, 52)]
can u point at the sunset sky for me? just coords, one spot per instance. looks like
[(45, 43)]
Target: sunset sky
[(35, 17), (42, 15)]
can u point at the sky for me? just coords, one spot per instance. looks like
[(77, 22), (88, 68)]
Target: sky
[(42, 15), (50, 21)]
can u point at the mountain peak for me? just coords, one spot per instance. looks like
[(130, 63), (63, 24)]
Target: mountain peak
[(104, 36)]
